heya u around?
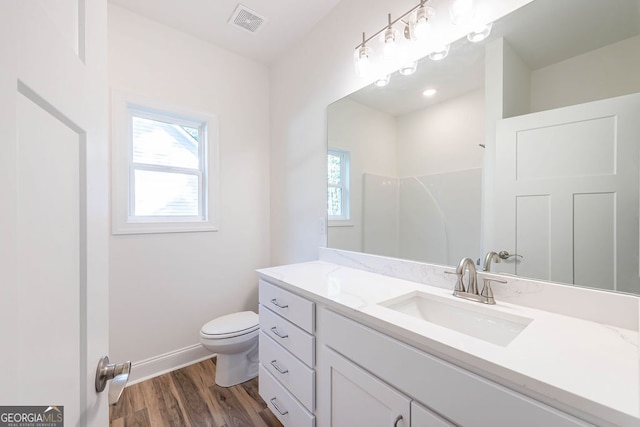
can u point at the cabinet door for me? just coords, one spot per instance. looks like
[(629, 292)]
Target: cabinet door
[(422, 417), (360, 399)]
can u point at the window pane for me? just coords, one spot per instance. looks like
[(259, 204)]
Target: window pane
[(165, 194), (334, 169), (334, 201), (165, 144)]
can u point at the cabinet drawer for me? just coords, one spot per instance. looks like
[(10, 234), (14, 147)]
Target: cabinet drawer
[(290, 306), (283, 405), (437, 383), (292, 373), (289, 336)]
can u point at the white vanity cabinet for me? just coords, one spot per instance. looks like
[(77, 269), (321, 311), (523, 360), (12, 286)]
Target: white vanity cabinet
[(458, 395), (287, 355), (320, 367)]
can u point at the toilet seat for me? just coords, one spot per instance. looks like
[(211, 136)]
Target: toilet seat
[(231, 325)]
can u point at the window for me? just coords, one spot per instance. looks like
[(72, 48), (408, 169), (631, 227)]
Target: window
[(338, 185), (164, 168)]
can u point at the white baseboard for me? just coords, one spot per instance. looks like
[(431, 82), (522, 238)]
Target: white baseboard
[(158, 365)]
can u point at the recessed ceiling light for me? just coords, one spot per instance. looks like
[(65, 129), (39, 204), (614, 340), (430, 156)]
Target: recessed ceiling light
[(429, 92)]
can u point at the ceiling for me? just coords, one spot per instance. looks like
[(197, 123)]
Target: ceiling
[(286, 22)]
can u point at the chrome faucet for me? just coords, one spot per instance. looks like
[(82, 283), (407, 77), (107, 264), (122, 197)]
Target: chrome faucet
[(491, 256), (466, 264), (470, 292)]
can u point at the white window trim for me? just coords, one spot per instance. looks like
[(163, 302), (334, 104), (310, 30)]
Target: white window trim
[(121, 196), (343, 220)]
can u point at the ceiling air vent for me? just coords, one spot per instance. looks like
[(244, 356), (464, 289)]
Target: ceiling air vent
[(247, 19)]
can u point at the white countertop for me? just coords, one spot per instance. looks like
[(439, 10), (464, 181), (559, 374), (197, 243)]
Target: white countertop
[(592, 367)]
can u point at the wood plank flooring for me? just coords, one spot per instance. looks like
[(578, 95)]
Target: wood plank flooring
[(189, 397)]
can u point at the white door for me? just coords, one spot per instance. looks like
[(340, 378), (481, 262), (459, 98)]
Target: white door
[(53, 205), (567, 194)]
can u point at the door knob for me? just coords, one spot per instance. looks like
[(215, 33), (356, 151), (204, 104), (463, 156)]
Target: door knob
[(119, 373)]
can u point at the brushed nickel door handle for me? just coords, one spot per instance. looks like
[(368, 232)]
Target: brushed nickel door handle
[(117, 373)]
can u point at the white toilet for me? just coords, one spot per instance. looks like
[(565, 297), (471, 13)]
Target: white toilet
[(234, 338)]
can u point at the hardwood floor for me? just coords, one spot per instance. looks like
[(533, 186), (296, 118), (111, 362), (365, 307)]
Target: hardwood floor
[(189, 397)]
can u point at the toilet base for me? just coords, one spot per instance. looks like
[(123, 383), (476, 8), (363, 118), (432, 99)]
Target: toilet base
[(233, 369)]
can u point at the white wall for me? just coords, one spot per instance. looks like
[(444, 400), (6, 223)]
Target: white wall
[(443, 138), (164, 287), (313, 74), (369, 135), (603, 73)]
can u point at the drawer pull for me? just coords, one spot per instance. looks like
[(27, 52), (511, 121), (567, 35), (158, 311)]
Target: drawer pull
[(397, 420), (275, 302), (275, 405), (277, 368), (278, 334)]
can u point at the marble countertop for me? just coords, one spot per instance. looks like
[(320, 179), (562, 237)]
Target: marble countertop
[(592, 367)]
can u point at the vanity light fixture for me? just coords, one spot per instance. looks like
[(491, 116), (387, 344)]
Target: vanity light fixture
[(402, 53), (414, 26)]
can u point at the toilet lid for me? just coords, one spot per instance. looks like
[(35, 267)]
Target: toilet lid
[(231, 325)]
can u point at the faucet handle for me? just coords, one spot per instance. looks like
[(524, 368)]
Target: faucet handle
[(459, 285), (507, 255), (487, 292)]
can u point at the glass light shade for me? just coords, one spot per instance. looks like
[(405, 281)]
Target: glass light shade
[(420, 22), (382, 81), (408, 68), (461, 11), (481, 33), (390, 49), (439, 53), (362, 61)]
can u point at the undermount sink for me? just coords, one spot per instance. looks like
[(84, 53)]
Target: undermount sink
[(476, 320)]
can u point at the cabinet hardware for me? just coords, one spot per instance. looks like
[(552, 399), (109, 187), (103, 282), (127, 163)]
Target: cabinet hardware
[(275, 302), (275, 405), (278, 334), (274, 363)]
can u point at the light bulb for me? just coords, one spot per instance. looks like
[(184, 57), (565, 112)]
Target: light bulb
[(439, 53), (390, 49), (429, 93), (480, 33), (362, 61), (421, 25)]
